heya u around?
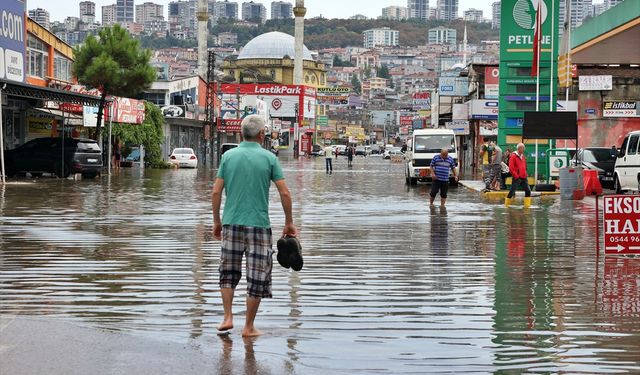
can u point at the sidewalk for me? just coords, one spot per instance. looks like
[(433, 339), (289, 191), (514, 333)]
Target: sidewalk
[(479, 186)]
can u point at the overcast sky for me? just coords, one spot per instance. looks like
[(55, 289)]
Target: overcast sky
[(60, 9)]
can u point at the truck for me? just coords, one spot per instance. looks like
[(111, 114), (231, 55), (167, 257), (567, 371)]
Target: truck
[(422, 147)]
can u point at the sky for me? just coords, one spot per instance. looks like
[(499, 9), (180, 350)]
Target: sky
[(60, 9)]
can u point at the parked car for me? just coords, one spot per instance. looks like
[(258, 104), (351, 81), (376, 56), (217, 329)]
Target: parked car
[(44, 155), (184, 158), (601, 159), (375, 149), (134, 155), (361, 150), (317, 150), (342, 149), (627, 168), (392, 151), (226, 147)]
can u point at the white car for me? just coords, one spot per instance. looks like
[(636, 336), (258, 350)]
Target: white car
[(184, 158), (627, 169), (392, 151)]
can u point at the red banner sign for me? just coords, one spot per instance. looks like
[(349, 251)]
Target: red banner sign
[(622, 224), (267, 89), (406, 120), (230, 125)]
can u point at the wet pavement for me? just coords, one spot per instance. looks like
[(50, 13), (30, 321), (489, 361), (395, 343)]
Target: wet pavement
[(126, 264)]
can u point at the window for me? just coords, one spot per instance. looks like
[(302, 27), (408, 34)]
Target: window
[(633, 144), (38, 57), (306, 79), (272, 73), (62, 68)]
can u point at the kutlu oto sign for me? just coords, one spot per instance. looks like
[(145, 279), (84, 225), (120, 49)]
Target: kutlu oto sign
[(622, 224)]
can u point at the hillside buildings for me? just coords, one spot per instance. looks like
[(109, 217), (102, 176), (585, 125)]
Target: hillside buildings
[(381, 37), (281, 10), (418, 9)]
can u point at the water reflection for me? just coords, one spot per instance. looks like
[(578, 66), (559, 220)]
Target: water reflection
[(390, 285)]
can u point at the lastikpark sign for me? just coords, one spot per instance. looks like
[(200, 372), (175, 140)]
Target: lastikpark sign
[(518, 27)]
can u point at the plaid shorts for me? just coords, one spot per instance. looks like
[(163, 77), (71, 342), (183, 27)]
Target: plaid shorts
[(256, 243)]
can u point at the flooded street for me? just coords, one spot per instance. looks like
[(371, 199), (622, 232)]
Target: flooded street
[(389, 285)]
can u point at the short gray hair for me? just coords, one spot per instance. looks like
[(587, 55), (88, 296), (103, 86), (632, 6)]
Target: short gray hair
[(251, 126), (519, 145)]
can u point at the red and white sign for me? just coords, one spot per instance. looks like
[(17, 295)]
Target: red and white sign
[(491, 82), (406, 120), (230, 125), (622, 224), (129, 111)]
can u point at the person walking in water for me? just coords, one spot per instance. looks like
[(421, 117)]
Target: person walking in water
[(441, 165), (518, 169), (245, 175), (328, 158), (350, 152)]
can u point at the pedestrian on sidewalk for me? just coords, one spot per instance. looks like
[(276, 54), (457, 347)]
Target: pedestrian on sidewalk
[(245, 175), (518, 169), (485, 160), (441, 166), (328, 156), (495, 172)]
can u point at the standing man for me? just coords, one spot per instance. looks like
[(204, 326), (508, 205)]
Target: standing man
[(518, 169), (441, 165), (485, 159), (328, 156), (245, 175), (350, 153), (495, 171)]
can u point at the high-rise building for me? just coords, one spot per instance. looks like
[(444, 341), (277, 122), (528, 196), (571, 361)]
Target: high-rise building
[(124, 11), (395, 13), (433, 13), (598, 9), (608, 4), (447, 10), (88, 12), (418, 9), (109, 14), (442, 35), (580, 10), (225, 9), (41, 16), (254, 11), (495, 19), (281, 10), (381, 37), (148, 12), (473, 15), (182, 18)]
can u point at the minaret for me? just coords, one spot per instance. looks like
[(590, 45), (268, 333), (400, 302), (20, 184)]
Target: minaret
[(203, 19), (299, 12), (464, 47)]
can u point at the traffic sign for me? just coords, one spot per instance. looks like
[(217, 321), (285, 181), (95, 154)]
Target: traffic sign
[(622, 224)]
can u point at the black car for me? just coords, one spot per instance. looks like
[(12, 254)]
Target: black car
[(44, 155), (601, 159)]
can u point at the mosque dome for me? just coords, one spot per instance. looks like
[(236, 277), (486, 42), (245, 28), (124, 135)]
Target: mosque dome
[(273, 45)]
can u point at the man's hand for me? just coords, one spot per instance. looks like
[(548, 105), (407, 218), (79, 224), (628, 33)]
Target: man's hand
[(290, 230), (217, 231)]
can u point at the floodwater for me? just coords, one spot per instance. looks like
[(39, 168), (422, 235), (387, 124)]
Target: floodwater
[(390, 285)]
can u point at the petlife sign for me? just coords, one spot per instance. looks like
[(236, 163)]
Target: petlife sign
[(12, 40), (517, 24), (622, 224)]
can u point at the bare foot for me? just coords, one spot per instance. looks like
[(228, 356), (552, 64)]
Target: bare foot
[(251, 332), (226, 324)]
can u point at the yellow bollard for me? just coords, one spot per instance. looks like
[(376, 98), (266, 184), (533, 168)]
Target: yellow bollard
[(527, 202)]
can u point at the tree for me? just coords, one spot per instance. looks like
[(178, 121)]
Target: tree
[(383, 72), (355, 82), (115, 64), (149, 133)]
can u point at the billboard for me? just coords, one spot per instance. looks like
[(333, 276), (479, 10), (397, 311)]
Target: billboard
[(12, 40), (620, 108), (333, 96), (453, 86), (480, 109), (421, 101), (129, 111)]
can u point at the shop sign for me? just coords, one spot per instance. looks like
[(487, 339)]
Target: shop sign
[(129, 111), (174, 111), (491, 82), (89, 116), (230, 125), (620, 108), (459, 127), (621, 224), (12, 40), (406, 120), (595, 83), (453, 86), (483, 109)]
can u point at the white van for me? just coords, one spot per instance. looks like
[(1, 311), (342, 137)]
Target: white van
[(423, 146), (627, 169)]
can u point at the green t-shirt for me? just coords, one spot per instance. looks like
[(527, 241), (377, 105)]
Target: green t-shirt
[(247, 171)]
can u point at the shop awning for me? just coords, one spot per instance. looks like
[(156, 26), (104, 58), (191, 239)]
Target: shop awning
[(59, 113), (44, 93)]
